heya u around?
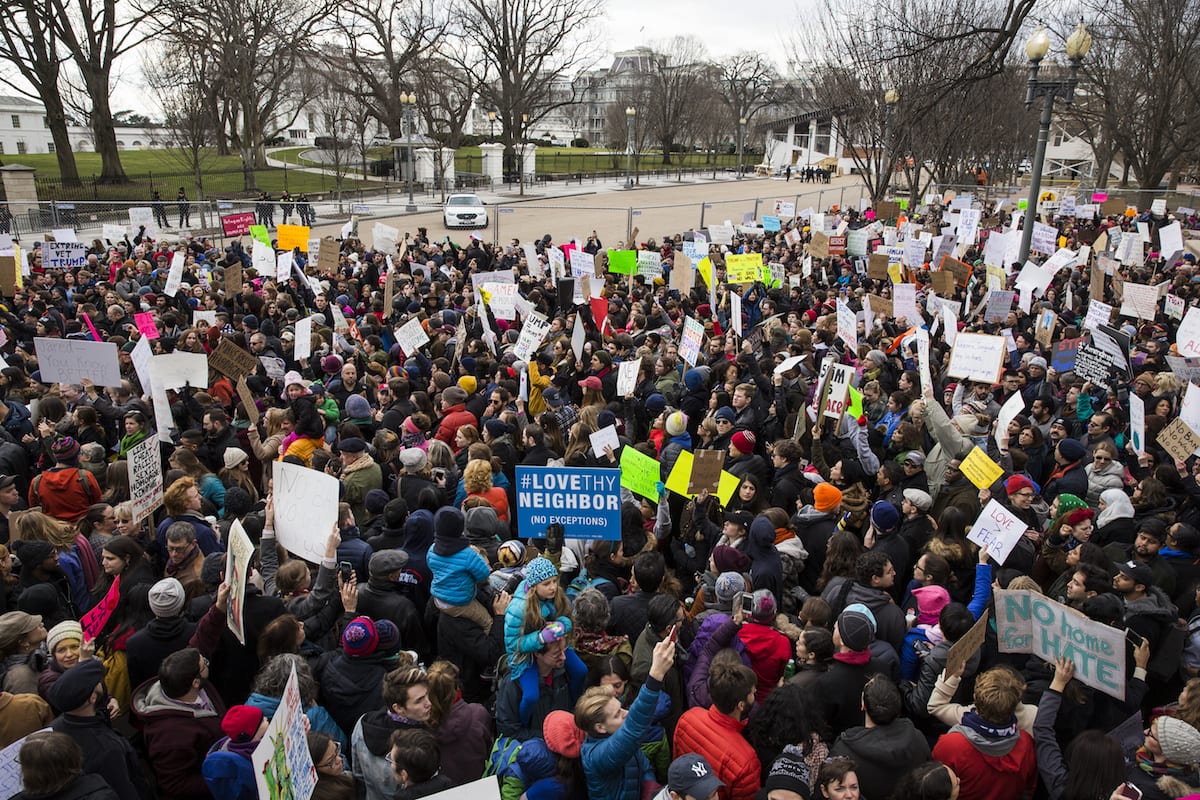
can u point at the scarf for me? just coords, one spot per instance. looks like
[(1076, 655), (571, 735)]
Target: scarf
[(174, 566), (853, 657), (364, 462), (972, 720), (1147, 764), (130, 441), (598, 643)]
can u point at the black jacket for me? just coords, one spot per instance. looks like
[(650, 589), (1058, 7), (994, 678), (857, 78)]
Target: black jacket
[(146, 649), (882, 753), (628, 616), (350, 687), (384, 599), (462, 642), (85, 787), (106, 754)]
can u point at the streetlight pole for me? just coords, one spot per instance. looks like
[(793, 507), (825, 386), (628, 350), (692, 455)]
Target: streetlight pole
[(630, 113), (408, 104), (491, 126), (741, 144), (1036, 48), (521, 152)]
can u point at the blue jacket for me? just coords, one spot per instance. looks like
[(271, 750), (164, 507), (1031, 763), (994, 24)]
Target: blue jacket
[(520, 648), (615, 765), (319, 719), (455, 576), (229, 776)]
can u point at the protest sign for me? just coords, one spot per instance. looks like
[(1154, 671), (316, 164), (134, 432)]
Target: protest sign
[(142, 217), (837, 245), (290, 237), (237, 570), (237, 224), (847, 325), (532, 333), (73, 360), (743, 268), (605, 437), (682, 275), (999, 303), (146, 325), (145, 478), (977, 357), (979, 468), (411, 336), (1139, 301), (880, 306), (1098, 313), (998, 529), (283, 266), (836, 389), (1186, 369), (720, 234), (677, 481), (706, 471), (904, 302), (1178, 439), (482, 789), (622, 262), (582, 263), (1043, 331), (691, 340), (1174, 306), (585, 501), (247, 399), (97, 617), (1170, 240), (306, 504), (818, 246), (327, 256), (231, 360), (771, 224), (384, 238), (111, 233), (1029, 622), (64, 255), (961, 270), (640, 473), (877, 266), (1137, 423), (178, 369), (1044, 239), (283, 767), (649, 264), (1095, 365), (175, 275), (967, 645), (1188, 336), (627, 372)]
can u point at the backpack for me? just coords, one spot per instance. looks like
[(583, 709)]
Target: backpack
[(504, 753)]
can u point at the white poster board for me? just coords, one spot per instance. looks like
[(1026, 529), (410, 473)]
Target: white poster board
[(627, 372), (411, 336), (145, 478), (306, 506), (998, 529), (977, 357), (237, 571), (64, 255), (72, 360), (283, 768), (180, 368)]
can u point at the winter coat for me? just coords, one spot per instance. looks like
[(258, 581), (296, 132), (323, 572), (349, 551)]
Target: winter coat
[(882, 753), (350, 687), (1073, 481), (465, 737), (370, 745), (462, 642), (951, 444), (21, 715), (1151, 615), (105, 753), (840, 690), (455, 575), (177, 738), (229, 774), (1099, 480), (522, 703), (989, 769), (814, 529), (521, 645), (85, 787), (146, 649), (628, 614), (319, 719), (769, 651), (614, 765), (455, 417), (786, 487), (766, 566), (890, 625), (381, 598), (718, 737)]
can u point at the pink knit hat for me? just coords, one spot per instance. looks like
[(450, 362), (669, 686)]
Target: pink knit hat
[(930, 602)]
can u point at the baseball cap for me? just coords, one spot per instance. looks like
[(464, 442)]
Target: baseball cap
[(1139, 572), (691, 775)]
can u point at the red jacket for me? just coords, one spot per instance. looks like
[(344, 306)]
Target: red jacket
[(455, 418), (1011, 776), (718, 737), (769, 653), (64, 493), (177, 738)]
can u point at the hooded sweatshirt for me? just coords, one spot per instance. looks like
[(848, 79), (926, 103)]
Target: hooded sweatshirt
[(766, 567), (992, 765), (881, 753)]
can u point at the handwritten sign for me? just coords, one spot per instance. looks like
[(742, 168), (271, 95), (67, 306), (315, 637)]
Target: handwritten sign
[(1178, 439), (1029, 622), (836, 390), (411, 336), (146, 325), (998, 529), (231, 360), (237, 571), (64, 255), (73, 360), (706, 471), (977, 357), (640, 473), (145, 478), (681, 473), (283, 767), (305, 509), (968, 645)]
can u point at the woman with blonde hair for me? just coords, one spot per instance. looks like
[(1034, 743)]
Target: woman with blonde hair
[(209, 485), (579, 446), (477, 481), (463, 730), (236, 472), (277, 424)]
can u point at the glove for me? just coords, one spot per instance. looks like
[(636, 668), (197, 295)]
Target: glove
[(552, 632), (554, 538), (661, 488)]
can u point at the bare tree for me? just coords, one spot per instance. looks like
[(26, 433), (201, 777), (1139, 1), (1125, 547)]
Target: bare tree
[(748, 83), (528, 47), (446, 91), (379, 44), (1140, 94), (188, 133), (95, 33), (28, 43), (672, 83), (265, 73)]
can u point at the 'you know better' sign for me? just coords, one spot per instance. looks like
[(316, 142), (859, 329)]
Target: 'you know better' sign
[(1028, 622), (584, 500)]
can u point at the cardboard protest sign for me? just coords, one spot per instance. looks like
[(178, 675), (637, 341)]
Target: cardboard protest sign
[(681, 473), (73, 360), (145, 478), (881, 306), (231, 360), (1178, 439), (237, 571), (283, 767), (877, 266), (706, 471), (979, 468), (306, 504), (887, 209), (585, 501), (1043, 330), (1028, 622), (960, 269), (818, 247), (998, 529), (977, 357), (967, 645), (327, 256), (943, 283), (243, 390)]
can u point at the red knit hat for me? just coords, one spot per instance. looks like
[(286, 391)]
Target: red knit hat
[(562, 735), (743, 440), (1017, 483), (1079, 515)]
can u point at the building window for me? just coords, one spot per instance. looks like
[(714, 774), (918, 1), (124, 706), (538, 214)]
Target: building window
[(45, 122), (1, 148), (1058, 138), (312, 121), (50, 147), (20, 148), (298, 133), (16, 120)]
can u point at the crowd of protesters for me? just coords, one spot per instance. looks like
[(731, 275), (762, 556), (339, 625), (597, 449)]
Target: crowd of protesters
[(790, 642)]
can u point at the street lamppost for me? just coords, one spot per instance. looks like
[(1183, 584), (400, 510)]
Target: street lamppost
[(630, 113), (741, 143), (521, 152), (1036, 48), (890, 98), (408, 103), (491, 126)]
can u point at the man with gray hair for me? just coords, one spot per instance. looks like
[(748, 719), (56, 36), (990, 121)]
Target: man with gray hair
[(92, 459)]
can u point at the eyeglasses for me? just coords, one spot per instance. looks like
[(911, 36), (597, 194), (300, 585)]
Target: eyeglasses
[(1101, 459), (724, 422), (337, 755), (1025, 493)]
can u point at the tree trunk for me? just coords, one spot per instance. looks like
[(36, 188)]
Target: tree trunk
[(666, 146), (1125, 174), (64, 153), (103, 130)]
